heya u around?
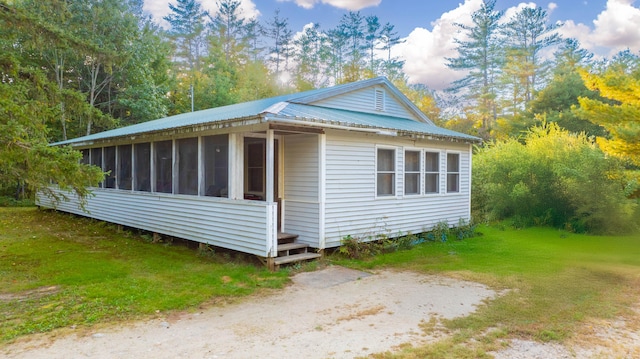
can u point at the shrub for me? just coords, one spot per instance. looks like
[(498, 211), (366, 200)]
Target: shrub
[(553, 178), (358, 248)]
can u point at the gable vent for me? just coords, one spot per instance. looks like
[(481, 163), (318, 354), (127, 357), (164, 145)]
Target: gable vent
[(379, 100)]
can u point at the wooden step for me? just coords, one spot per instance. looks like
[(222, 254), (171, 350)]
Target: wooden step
[(295, 258), (286, 237), (290, 246)]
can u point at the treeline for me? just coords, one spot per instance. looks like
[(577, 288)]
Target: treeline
[(563, 134), (71, 68), (108, 64)]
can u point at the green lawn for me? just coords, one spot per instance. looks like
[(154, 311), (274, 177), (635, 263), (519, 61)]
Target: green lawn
[(57, 270), (555, 281), (87, 273)]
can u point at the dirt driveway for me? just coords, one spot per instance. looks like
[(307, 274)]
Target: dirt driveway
[(331, 313)]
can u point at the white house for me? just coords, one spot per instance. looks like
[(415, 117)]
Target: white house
[(357, 159)]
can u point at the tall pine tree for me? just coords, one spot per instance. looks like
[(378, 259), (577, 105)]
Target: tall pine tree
[(479, 54)]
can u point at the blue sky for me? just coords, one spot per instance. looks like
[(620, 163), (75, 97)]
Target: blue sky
[(603, 27)]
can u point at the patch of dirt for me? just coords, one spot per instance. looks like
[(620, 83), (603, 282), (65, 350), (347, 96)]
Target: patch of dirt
[(331, 313), (598, 339), (29, 294)]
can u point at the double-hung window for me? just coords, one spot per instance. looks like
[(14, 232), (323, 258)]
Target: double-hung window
[(453, 172), (411, 172), (386, 172), (431, 172)]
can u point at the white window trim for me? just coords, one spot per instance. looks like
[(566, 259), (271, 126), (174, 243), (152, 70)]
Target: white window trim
[(439, 172), (446, 172), (395, 172), (420, 171)]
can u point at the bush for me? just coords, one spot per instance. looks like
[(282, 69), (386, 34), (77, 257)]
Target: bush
[(358, 248), (552, 178), (12, 202)]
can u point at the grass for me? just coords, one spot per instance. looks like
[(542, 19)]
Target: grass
[(555, 282), (58, 270)]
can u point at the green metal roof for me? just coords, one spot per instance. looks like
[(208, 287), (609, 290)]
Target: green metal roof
[(294, 106), (324, 115)]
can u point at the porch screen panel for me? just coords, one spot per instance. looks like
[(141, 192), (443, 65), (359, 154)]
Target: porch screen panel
[(124, 167), (163, 164), (110, 167), (216, 165), (85, 156), (96, 159), (142, 163), (187, 160)]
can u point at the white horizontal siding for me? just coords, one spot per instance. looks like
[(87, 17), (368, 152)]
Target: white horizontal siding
[(301, 167), (244, 226), (364, 101), (301, 188), (351, 204), (302, 218), (350, 169)]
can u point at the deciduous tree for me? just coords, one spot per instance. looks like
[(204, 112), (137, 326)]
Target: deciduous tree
[(620, 83)]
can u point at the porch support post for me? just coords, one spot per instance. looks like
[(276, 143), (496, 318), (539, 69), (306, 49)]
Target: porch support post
[(270, 173), (236, 166), (322, 188), (272, 207)]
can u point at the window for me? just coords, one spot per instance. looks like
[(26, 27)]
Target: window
[(110, 167), (187, 163), (216, 165), (124, 167), (142, 171), (163, 166), (412, 172), (96, 159), (453, 172), (431, 172), (386, 172), (255, 159)]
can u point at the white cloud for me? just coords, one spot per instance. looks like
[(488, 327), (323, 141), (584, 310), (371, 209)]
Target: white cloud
[(512, 11), (425, 52), (615, 29), (160, 8), (352, 5)]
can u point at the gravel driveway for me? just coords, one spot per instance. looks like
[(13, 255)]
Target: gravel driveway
[(331, 313)]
